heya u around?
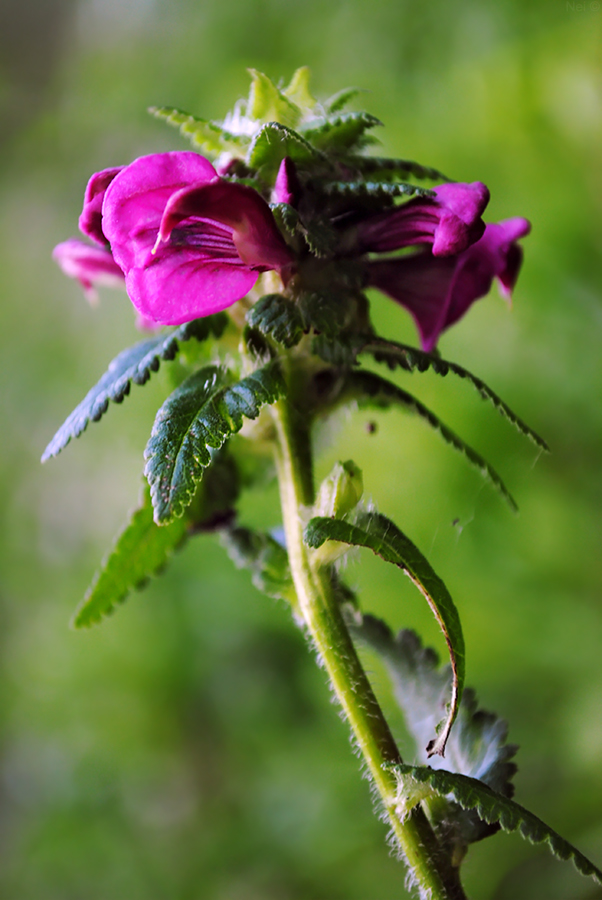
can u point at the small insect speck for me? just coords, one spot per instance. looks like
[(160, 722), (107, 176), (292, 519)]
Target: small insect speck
[(371, 427)]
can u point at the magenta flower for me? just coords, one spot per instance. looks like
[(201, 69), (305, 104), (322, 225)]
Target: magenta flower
[(188, 242), (89, 265), (90, 221), (450, 222), (438, 291)]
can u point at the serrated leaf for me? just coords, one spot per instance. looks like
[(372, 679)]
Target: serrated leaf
[(204, 134), (382, 169), (374, 190), (275, 141), (340, 100), (409, 358), (370, 390), (326, 313), (140, 551), (342, 133), (134, 364), (287, 217), (495, 808), (267, 103), (383, 537), (477, 744), (197, 418), (278, 317), (266, 559)]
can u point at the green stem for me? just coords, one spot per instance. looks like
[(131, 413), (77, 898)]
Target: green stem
[(431, 869)]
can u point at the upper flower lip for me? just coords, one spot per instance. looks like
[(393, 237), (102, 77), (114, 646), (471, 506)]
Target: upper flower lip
[(189, 242)]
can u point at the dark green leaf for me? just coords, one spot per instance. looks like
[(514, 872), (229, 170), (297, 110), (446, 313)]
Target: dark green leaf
[(382, 536), (134, 364), (287, 217), (273, 142), (380, 169), (208, 136), (344, 132), (340, 100), (491, 807), (279, 317), (409, 358), (141, 550), (477, 744), (370, 390), (197, 418), (265, 557), (373, 189), (327, 313)]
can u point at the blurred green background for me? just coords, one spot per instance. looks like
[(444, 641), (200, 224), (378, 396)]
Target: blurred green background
[(188, 748)]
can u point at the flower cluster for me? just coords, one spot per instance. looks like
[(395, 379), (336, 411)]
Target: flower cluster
[(187, 241)]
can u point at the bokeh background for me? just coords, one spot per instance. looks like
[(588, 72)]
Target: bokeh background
[(187, 748)]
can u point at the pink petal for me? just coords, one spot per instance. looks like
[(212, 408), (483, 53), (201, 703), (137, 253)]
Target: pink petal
[(176, 287), (89, 265), (135, 200), (90, 221), (254, 232)]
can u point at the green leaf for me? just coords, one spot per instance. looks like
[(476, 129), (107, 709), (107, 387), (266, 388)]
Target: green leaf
[(373, 190), (340, 100), (206, 135), (409, 358), (370, 390), (141, 550), (381, 169), (278, 317), (273, 142), (134, 364), (384, 538), (197, 418), (287, 217), (344, 132), (492, 807), (267, 103), (265, 557), (477, 744), (298, 89), (327, 313)]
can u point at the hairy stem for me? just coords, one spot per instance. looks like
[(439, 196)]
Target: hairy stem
[(430, 868)]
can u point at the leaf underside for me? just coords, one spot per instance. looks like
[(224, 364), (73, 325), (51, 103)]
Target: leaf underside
[(370, 390), (477, 745), (197, 419), (381, 535), (494, 808), (409, 358), (132, 365)]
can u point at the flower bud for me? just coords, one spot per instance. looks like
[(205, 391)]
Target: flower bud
[(341, 491)]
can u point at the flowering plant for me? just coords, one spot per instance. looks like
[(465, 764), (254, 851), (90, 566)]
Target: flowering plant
[(261, 259)]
